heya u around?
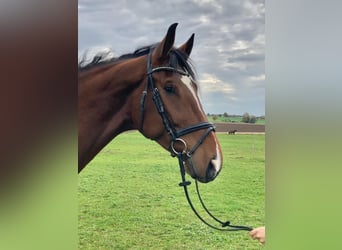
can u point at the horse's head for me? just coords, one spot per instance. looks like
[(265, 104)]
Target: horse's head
[(171, 112)]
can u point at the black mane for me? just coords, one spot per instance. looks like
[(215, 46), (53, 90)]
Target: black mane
[(177, 59), (101, 58)]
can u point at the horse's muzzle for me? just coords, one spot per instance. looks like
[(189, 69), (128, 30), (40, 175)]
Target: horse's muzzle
[(210, 173)]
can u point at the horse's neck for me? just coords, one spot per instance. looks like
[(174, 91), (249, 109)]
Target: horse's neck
[(104, 109)]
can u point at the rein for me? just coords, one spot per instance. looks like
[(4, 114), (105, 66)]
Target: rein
[(175, 137), (185, 184)]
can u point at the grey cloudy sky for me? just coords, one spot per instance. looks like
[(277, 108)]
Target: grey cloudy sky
[(229, 46)]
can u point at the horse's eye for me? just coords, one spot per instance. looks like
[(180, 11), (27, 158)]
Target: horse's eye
[(170, 89)]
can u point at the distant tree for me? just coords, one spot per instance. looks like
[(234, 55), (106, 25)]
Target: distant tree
[(252, 119), (215, 117), (225, 114), (208, 114), (245, 117)]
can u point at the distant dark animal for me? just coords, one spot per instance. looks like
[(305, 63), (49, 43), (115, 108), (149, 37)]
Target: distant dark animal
[(232, 132)]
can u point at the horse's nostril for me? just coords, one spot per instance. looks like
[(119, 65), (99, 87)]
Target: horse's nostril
[(211, 171)]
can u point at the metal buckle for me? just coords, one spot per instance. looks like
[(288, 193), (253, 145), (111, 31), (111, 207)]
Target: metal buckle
[(173, 148)]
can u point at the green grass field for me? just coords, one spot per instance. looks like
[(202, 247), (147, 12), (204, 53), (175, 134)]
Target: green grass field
[(129, 197)]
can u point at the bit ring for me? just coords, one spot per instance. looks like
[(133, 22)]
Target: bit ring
[(179, 152)]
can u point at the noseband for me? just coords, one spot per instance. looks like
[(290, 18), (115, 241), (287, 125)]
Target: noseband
[(176, 135)]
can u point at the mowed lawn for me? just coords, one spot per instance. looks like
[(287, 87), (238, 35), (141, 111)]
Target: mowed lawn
[(129, 197)]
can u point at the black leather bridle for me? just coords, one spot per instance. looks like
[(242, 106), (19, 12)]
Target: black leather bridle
[(176, 135), (171, 130)]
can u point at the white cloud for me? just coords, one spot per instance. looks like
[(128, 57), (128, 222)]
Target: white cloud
[(257, 78), (211, 83), (240, 45)]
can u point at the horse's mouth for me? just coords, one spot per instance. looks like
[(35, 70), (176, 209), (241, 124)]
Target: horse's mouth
[(211, 173), (189, 168)]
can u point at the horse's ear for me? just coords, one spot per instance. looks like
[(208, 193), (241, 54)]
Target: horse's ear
[(187, 46), (163, 48)]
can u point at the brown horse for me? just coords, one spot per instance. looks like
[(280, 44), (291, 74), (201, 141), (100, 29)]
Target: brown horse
[(153, 90)]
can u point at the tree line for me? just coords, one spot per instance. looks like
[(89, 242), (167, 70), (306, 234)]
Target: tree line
[(245, 118)]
